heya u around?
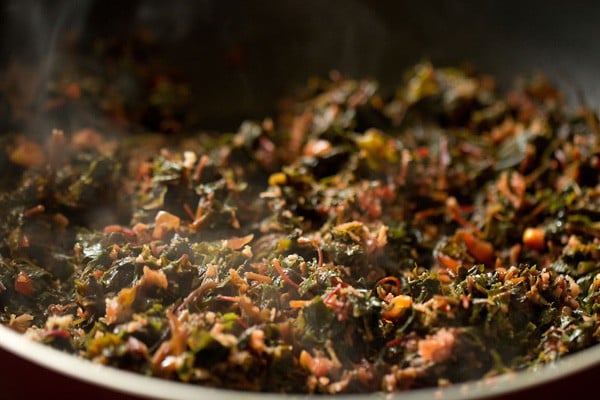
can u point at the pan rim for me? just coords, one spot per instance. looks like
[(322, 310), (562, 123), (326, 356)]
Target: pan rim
[(151, 387)]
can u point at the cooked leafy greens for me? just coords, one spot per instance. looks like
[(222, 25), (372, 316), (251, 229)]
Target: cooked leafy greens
[(361, 241)]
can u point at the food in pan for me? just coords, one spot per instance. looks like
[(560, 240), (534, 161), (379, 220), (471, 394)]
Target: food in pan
[(358, 241)]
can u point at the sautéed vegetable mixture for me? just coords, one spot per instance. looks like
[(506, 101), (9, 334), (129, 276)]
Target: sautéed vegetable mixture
[(359, 240)]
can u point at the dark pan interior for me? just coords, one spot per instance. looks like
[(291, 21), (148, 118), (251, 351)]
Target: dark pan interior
[(240, 56)]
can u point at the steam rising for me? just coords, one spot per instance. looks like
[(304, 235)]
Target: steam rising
[(32, 36)]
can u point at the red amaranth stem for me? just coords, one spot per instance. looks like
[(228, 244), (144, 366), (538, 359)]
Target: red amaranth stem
[(283, 275)]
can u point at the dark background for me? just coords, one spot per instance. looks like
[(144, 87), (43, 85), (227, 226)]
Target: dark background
[(240, 56)]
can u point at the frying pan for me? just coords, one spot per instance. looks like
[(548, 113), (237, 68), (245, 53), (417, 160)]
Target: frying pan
[(278, 45)]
